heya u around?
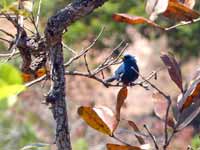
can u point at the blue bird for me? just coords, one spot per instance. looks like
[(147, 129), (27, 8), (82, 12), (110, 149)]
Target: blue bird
[(127, 72)]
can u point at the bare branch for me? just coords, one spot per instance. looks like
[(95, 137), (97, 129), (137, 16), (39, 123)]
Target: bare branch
[(38, 14), (86, 64), (5, 32), (69, 48), (182, 24), (5, 40), (152, 137), (85, 50)]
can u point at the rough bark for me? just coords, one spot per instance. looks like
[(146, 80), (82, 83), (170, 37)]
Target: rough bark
[(56, 25)]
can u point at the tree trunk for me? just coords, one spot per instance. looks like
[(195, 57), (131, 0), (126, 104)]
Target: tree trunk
[(53, 34)]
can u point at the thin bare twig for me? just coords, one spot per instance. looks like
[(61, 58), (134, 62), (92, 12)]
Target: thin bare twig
[(69, 48), (86, 64), (152, 137), (38, 14), (84, 51), (35, 81), (5, 40), (119, 140), (182, 24), (9, 54), (5, 32)]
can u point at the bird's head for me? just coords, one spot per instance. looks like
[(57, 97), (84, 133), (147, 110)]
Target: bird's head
[(129, 58)]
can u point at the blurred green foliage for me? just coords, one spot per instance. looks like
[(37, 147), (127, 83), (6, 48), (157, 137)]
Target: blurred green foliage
[(183, 40), (80, 144), (196, 142), (10, 85), (14, 134)]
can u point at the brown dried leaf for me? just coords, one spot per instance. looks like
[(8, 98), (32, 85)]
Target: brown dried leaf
[(156, 7), (160, 107), (122, 94), (190, 96), (101, 118), (133, 20), (136, 129), (173, 69), (180, 12), (125, 147), (188, 114)]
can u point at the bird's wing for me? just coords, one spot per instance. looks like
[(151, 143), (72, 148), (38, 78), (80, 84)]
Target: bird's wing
[(120, 71)]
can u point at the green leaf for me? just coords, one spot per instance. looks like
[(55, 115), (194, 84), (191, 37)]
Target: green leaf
[(10, 74), (10, 84), (9, 90), (35, 145), (80, 144)]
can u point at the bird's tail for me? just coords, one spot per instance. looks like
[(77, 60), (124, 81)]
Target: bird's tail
[(110, 79)]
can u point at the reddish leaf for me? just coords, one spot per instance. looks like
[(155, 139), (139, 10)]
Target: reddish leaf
[(134, 20), (173, 69), (122, 94), (101, 119), (160, 107), (190, 96), (125, 147), (27, 77), (188, 114), (180, 12), (156, 7), (136, 129), (40, 72)]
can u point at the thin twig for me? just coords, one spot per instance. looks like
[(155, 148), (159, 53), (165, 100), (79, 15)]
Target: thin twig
[(182, 24), (38, 14), (5, 40), (166, 123), (9, 54), (5, 32), (119, 140), (86, 64), (170, 138), (152, 137), (69, 48), (35, 81), (85, 50), (32, 18)]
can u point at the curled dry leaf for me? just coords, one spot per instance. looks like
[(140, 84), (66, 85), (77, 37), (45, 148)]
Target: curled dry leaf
[(136, 129), (160, 107), (122, 95), (192, 94), (196, 74), (101, 118), (180, 12), (126, 147), (133, 20), (173, 69), (188, 114), (156, 7)]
